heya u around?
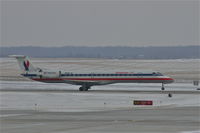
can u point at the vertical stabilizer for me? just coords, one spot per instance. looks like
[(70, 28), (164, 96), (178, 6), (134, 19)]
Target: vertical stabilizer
[(24, 63)]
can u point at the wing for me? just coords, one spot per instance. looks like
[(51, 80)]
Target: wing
[(88, 82)]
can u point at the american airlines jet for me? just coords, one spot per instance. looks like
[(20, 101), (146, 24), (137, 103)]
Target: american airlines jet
[(86, 80)]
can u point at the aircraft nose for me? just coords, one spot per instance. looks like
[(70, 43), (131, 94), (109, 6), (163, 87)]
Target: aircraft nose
[(170, 80)]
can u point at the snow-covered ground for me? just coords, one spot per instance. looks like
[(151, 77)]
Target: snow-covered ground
[(64, 97)]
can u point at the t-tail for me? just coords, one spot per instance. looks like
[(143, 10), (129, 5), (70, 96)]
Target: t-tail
[(24, 63)]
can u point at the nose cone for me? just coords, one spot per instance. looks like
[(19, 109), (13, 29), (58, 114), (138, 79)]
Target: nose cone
[(169, 80)]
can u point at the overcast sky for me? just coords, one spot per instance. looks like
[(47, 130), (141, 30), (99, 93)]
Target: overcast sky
[(99, 23)]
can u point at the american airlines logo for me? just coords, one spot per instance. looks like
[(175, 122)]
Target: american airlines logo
[(26, 65)]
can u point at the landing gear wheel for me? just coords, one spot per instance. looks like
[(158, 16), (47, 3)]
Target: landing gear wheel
[(84, 88), (163, 88), (81, 89)]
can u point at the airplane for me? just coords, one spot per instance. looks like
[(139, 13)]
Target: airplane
[(86, 80)]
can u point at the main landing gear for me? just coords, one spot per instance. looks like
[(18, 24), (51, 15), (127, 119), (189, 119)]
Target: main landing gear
[(162, 88), (84, 88)]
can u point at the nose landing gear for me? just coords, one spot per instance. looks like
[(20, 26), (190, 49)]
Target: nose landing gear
[(162, 88)]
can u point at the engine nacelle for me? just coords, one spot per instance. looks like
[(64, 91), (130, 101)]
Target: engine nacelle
[(50, 74)]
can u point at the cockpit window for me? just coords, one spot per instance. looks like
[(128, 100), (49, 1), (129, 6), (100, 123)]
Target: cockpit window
[(157, 74)]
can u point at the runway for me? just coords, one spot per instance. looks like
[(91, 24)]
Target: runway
[(35, 107), (176, 119)]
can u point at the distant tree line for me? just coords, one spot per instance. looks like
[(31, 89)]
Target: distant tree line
[(172, 52)]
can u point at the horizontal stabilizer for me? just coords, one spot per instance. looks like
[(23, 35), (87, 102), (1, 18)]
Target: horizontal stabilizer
[(17, 56)]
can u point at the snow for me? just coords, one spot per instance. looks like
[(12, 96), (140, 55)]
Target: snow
[(70, 99)]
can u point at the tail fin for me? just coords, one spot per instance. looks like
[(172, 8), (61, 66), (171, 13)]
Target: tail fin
[(24, 63)]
